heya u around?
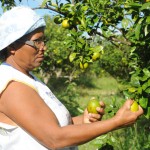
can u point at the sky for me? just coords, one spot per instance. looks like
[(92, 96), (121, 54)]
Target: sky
[(33, 4)]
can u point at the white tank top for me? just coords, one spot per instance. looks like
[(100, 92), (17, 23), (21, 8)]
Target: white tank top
[(14, 137)]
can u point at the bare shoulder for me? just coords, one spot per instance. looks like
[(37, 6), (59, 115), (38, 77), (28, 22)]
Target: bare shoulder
[(16, 94), (23, 105)]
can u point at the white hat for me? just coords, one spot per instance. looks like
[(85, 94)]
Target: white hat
[(16, 23)]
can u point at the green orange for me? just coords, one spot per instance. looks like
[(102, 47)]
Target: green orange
[(92, 105), (134, 106), (95, 56), (65, 24), (84, 65)]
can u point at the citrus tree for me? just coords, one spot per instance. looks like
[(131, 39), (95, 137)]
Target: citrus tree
[(121, 22), (7, 4)]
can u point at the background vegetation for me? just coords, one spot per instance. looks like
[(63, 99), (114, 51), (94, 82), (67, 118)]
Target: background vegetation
[(99, 48)]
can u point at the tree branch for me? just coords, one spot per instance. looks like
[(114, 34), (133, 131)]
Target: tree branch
[(112, 38), (50, 8)]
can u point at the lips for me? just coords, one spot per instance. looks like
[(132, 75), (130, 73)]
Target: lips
[(40, 56)]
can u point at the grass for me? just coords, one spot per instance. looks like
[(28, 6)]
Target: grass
[(106, 89), (77, 94)]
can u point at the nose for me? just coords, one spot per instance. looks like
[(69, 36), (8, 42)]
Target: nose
[(43, 46)]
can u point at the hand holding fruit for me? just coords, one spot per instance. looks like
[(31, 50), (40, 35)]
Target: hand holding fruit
[(126, 115), (94, 111)]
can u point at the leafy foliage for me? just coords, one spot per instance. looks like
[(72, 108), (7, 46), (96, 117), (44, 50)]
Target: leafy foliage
[(122, 22), (7, 4), (93, 25)]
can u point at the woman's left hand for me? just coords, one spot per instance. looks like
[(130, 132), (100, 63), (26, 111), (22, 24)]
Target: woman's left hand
[(90, 117)]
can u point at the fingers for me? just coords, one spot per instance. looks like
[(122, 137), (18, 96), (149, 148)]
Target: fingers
[(128, 103), (102, 104), (140, 110), (94, 117), (101, 108)]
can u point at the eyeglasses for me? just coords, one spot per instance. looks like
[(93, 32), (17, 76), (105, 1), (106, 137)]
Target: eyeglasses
[(37, 43)]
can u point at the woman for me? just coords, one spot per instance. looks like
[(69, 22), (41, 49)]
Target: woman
[(31, 117)]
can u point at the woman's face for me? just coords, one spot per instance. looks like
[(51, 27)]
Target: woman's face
[(31, 52)]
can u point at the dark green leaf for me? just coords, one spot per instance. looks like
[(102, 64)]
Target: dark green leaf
[(143, 102), (145, 6), (144, 86), (137, 31), (146, 72), (147, 90)]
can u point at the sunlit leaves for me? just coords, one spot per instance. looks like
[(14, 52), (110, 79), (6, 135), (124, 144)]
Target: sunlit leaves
[(125, 23), (143, 102), (72, 56), (120, 22), (140, 88), (45, 2)]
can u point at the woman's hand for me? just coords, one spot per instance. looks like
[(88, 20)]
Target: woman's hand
[(125, 116), (90, 117)]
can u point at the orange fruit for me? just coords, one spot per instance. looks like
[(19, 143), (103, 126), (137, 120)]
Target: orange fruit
[(85, 65), (92, 105), (95, 56), (65, 24), (134, 106)]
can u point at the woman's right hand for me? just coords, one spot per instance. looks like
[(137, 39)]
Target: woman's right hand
[(125, 116)]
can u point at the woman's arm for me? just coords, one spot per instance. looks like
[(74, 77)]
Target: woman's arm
[(26, 108)]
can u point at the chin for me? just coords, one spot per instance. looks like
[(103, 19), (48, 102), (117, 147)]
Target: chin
[(38, 64)]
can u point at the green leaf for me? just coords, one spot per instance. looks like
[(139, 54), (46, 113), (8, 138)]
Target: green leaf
[(125, 23), (147, 115), (146, 30), (144, 78), (113, 139), (98, 48), (147, 90), (126, 94), (44, 2), (83, 22), (144, 86), (135, 81), (80, 110), (145, 6), (137, 31), (148, 82), (132, 89), (148, 19), (143, 102), (72, 57), (85, 8), (139, 90), (135, 5), (81, 40), (80, 45), (146, 72)]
